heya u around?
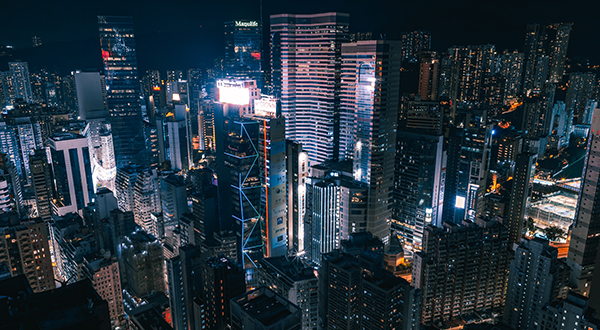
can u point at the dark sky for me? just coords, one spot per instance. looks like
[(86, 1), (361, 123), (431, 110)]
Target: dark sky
[(180, 34)]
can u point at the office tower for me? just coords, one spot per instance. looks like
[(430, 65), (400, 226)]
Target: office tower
[(8, 172), (309, 91), (185, 284), (511, 68), (572, 312), (146, 201), (413, 42), (7, 89), (30, 138), (462, 269), (173, 197), (123, 89), (178, 139), (272, 166), (103, 271), (243, 50), (151, 87), (91, 98), (73, 306), (297, 172), (21, 85), (72, 173), (222, 280), (559, 42), (125, 187), (263, 309), (520, 196), (205, 213), (534, 280), (584, 239), (24, 248), (41, 179), (356, 293), (238, 168), (142, 258), (294, 280), (370, 104), (429, 70), (152, 144), (470, 66), (418, 184)]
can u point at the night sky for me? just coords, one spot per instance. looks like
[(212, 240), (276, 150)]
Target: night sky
[(181, 34)]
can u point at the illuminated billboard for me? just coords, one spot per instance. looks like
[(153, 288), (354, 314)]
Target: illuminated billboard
[(265, 107), (233, 92)]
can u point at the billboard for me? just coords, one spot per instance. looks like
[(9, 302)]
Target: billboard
[(233, 92)]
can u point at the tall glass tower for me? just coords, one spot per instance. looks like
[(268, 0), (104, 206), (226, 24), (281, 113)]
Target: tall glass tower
[(123, 88), (243, 49)]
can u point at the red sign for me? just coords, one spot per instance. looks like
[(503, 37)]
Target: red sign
[(156, 88)]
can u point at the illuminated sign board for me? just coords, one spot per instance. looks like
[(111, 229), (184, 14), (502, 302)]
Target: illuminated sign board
[(233, 92), (156, 88), (265, 107), (246, 24)]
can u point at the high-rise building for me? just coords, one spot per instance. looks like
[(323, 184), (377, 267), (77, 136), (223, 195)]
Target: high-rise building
[(522, 190), (511, 69), (535, 279), (429, 70), (222, 280), (582, 88), (91, 98), (9, 145), (296, 281), (370, 105), (471, 66), (585, 234), (179, 143), (173, 197), (146, 201), (30, 138), (418, 184), (104, 273), (356, 293), (461, 270), (272, 164), (297, 172), (24, 248), (243, 50), (263, 309), (72, 173), (41, 179), (125, 187), (572, 312), (21, 85), (305, 69), (142, 258), (413, 42), (559, 42), (123, 89)]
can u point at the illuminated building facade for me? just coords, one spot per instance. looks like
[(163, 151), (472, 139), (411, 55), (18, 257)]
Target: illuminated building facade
[(123, 89), (91, 98), (297, 172), (413, 42), (512, 65), (305, 68), (522, 190), (243, 50), (272, 165), (41, 181), (369, 110), (146, 201), (429, 66), (21, 85), (72, 173)]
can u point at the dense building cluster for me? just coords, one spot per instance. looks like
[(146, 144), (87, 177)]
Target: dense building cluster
[(314, 178)]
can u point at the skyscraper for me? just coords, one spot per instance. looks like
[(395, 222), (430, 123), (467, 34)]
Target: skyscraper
[(272, 164), (297, 171), (120, 70), (585, 234), (243, 50), (429, 66), (41, 178), (72, 172), (370, 104), (522, 190), (142, 257), (558, 50), (146, 200), (413, 42), (305, 69)]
